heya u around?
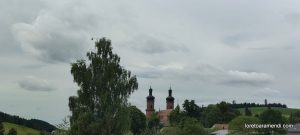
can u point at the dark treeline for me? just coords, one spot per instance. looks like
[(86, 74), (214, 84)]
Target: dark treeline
[(245, 105), (208, 116), (32, 123)]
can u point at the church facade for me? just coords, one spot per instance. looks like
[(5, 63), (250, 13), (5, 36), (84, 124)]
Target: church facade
[(162, 114)]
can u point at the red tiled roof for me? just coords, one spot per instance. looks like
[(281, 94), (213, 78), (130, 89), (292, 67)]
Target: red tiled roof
[(220, 126)]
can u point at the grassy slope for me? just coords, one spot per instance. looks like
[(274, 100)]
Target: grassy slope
[(257, 110), (22, 130)]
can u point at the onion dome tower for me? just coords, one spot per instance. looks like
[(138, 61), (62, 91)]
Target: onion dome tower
[(150, 104), (170, 100)]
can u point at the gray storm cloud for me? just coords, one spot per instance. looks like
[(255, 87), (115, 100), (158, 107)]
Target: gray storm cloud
[(154, 45), (200, 47), (248, 78), (50, 39), (206, 73), (32, 83)]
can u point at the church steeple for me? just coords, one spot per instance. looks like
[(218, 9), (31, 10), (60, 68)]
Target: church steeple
[(150, 104), (170, 100), (150, 91)]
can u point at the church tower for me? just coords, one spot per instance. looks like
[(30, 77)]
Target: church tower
[(150, 104), (170, 100), (266, 102)]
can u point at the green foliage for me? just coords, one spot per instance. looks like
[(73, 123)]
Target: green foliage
[(190, 128), (295, 117), (176, 116), (220, 113), (1, 128), (237, 125), (104, 87), (150, 131), (286, 112), (172, 131), (191, 109), (31, 123), (227, 113), (64, 126), (128, 133), (12, 131), (21, 130), (212, 116), (184, 124), (193, 127), (271, 116), (248, 112), (153, 121), (223, 107), (43, 133), (137, 120), (57, 132)]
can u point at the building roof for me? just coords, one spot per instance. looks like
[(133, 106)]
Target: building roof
[(170, 98), (150, 97), (220, 126), (163, 116), (295, 128)]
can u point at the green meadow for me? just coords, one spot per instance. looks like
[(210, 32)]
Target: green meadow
[(258, 110), (22, 130)]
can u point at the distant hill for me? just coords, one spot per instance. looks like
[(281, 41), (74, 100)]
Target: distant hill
[(32, 123), (258, 110), (22, 130)]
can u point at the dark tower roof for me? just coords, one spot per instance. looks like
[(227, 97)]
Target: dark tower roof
[(170, 98), (150, 97)]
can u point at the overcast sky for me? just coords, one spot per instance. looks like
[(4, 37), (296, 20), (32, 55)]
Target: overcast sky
[(208, 51)]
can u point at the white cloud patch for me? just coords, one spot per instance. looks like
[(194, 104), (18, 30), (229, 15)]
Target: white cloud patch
[(293, 18), (266, 92), (249, 78), (50, 39), (229, 42), (32, 83), (154, 45), (205, 73), (238, 39)]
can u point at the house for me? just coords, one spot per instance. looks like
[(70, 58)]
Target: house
[(220, 126), (164, 116), (222, 129), (295, 130)]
